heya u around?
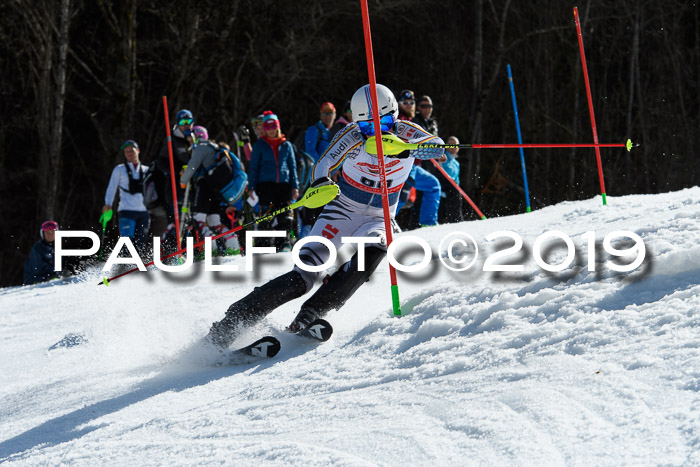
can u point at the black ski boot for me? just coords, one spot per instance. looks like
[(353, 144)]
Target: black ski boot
[(255, 306), (337, 289)]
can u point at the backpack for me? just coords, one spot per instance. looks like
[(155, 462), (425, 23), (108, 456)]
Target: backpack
[(227, 176), (152, 184)]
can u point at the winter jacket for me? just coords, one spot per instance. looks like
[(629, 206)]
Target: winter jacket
[(430, 125), (268, 165), (338, 125), (120, 179), (451, 166), (181, 152), (317, 139), (203, 157), (39, 266)]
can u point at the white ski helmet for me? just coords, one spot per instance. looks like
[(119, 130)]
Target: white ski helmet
[(361, 103)]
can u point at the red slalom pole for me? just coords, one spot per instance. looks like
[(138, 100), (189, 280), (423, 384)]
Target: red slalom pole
[(380, 153), (454, 184), (172, 171), (590, 106)]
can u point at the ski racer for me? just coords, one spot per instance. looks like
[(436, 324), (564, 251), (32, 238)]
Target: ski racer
[(356, 212)]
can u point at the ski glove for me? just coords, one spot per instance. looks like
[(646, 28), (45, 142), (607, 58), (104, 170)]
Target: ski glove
[(321, 181), (243, 133)]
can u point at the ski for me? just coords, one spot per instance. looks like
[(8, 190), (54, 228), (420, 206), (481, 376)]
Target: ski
[(265, 347), (319, 330)]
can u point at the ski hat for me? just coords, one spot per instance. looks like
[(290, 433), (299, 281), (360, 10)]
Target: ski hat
[(327, 107), (200, 133), (127, 143), (270, 117), (47, 226), (257, 119), (407, 94), (184, 113)]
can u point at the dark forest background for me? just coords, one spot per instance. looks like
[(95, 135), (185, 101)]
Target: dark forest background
[(79, 77)]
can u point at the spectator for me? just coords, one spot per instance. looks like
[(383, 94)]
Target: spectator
[(218, 177), (425, 116), (40, 264), (273, 177), (316, 141), (134, 220), (428, 200), (344, 120), (318, 136), (407, 105), (182, 144), (451, 202)]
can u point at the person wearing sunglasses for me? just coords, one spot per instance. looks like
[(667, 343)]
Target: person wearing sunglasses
[(182, 138), (356, 212), (407, 105), (424, 115), (273, 178), (39, 266)]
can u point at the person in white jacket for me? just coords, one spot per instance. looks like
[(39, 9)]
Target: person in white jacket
[(356, 212), (134, 220)]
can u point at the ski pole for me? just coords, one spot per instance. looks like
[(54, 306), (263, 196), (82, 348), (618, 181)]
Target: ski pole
[(185, 214), (393, 145), (314, 198), (454, 184), (104, 219)]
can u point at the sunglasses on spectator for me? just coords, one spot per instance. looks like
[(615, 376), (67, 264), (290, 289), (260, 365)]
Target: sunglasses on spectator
[(271, 125), (327, 114), (426, 106), (367, 126), (185, 122), (407, 102)]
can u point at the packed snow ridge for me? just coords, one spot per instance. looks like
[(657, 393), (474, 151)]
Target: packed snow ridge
[(577, 366)]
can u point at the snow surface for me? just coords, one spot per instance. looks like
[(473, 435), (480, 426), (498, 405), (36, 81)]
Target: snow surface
[(485, 368)]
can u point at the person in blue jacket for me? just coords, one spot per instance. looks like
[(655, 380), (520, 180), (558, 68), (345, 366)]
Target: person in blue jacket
[(451, 202), (39, 266), (273, 177), (318, 136)]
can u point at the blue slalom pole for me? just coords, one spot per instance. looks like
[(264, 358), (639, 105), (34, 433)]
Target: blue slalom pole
[(520, 140)]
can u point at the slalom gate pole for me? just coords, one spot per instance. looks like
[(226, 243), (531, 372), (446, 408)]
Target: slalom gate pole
[(380, 154), (520, 140), (590, 106), (454, 184), (314, 198), (172, 171)]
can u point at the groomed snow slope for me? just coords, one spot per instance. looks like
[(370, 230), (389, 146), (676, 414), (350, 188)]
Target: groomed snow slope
[(577, 367)]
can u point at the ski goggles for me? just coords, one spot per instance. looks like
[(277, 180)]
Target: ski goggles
[(48, 226), (367, 126), (185, 122)]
